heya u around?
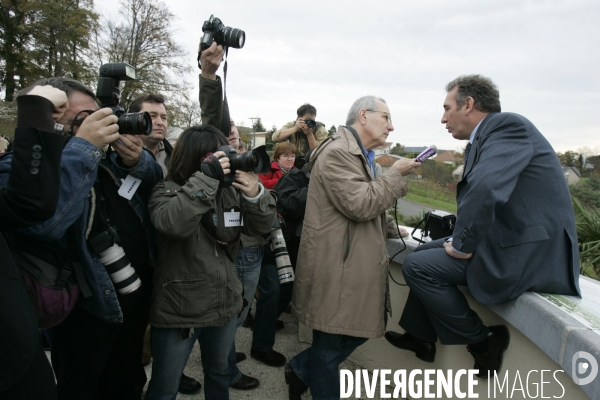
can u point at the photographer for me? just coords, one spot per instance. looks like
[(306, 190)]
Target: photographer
[(96, 350), (197, 294), (28, 195), (248, 263), (305, 133)]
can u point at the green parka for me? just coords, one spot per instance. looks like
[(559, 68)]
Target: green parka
[(195, 282)]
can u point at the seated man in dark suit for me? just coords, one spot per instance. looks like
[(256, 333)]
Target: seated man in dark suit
[(515, 231)]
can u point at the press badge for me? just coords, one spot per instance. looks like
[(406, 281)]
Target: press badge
[(233, 218), (129, 186)]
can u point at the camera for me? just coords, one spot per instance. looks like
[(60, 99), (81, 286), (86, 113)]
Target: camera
[(285, 272), (311, 123), (107, 245), (256, 160), (109, 92), (214, 30)]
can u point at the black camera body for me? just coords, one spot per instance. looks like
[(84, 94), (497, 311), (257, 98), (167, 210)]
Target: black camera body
[(215, 30), (311, 123), (256, 160), (108, 92)]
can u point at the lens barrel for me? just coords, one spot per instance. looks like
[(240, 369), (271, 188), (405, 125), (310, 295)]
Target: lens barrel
[(122, 274), (282, 258), (137, 123), (233, 37)]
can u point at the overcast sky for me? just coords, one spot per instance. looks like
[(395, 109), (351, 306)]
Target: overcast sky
[(543, 55)]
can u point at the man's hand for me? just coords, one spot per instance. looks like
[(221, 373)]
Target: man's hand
[(56, 96), (129, 148), (99, 128), (450, 251), (210, 60), (406, 167), (302, 127)]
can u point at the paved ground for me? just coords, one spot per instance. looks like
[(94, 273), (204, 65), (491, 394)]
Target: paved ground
[(409, 208), (272, 383)]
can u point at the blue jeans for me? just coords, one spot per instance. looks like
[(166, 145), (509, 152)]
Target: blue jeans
[(170, 353), (272, 301), (247, 265), (318, 365)]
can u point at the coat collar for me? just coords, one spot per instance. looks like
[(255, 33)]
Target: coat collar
[(476, 144)]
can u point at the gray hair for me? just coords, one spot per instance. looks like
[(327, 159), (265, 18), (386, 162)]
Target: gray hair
[(483, 91), (366, 102)]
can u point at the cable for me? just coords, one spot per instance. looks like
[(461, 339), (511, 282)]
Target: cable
[(403, 242)]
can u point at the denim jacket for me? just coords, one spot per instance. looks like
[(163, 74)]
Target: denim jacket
[(79, 168)]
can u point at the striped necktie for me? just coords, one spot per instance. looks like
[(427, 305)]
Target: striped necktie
[(467, 150)]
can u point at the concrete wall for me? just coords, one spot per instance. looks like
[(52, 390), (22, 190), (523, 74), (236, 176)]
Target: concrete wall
[(521, 357)]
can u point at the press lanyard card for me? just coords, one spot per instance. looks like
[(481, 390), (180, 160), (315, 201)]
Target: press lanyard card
[(233, 218), (129, 186)]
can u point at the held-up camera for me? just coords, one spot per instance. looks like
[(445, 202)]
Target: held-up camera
[(109, 92), (256, 160), (215, 30), (311, 123)]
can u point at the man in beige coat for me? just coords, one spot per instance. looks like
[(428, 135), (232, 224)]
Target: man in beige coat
[(341, 287)]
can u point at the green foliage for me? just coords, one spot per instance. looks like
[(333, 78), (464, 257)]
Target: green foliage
[(398, 149), (258, 126), (569, 159), (8, 118), (437, 172), (587, 220), (431, 190), (436, 204), (44, 38), (332, 130), (587, 192)]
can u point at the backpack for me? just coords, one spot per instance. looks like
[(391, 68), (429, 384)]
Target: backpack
[(52, 279)]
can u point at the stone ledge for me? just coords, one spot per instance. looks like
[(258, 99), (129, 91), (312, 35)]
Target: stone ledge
[(559, 325)]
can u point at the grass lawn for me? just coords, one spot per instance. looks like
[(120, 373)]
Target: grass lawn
[(437, 204)]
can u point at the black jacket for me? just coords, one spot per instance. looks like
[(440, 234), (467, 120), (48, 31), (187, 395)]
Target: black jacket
[(29, 198)]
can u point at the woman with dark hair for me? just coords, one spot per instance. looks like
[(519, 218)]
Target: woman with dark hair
[(197, 294), (283, 162)]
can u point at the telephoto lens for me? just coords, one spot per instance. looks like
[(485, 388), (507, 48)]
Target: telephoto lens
[(122, 274), (280, 253)]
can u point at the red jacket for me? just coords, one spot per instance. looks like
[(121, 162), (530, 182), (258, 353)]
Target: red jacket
[(272, 177)]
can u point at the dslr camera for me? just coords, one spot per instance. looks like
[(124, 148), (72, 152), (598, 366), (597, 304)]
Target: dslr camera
[(311, 123), (109, 92), (256, 160), (215, 30)]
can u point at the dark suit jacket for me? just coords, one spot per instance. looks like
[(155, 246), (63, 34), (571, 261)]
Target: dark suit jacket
[(30, 197), (515, 214)]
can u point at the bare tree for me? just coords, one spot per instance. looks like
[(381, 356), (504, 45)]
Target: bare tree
[(143, 37), (184, 113)]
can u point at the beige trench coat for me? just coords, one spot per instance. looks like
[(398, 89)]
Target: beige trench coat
[(341, 282)]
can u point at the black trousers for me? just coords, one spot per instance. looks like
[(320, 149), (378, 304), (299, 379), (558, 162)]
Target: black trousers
[(93, 359), (435, 306), (36, 383)]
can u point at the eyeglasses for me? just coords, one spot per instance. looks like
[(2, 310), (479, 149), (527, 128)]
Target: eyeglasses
[(387, 115), (288, 156)]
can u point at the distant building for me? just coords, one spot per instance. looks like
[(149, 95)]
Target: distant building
[(387, 160), (449, 157), (572, 175), (458, 173)]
